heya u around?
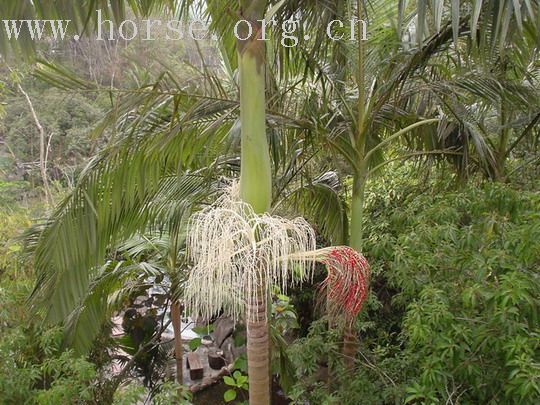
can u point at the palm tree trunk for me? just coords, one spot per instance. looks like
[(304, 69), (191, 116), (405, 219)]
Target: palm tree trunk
[(258, 344), (255, 184), (255, 174), (350, 340), (350, 348), (176, 318)]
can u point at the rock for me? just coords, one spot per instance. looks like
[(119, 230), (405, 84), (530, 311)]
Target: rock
[(231, 352), (139, 301), (228, 347), (237, 351), (223, 328), (207, 340)]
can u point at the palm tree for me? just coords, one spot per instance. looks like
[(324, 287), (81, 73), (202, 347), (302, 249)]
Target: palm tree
[(255, 186), (389, 87), (399, 83), (160, 167), (119, 211), (122, 183), (255, 189)]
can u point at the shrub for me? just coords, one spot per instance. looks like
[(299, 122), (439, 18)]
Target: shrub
[(34, 368), (453, 314)]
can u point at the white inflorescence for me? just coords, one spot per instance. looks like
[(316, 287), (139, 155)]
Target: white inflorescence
[(235, 251)]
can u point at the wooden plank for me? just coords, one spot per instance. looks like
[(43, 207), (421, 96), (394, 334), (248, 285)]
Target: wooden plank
[(195, 366)]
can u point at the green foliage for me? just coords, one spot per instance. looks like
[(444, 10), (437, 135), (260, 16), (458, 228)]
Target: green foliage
[(469, 265), (282, 325), (195, 343), (11, 225), (238, 383), (240, 363), (167, 393), (34, 368), (454, 311), (465, 265), (11, 192), (129, 394), (312, 356), (67, 120), (284, 317), (172, 393), (229, 395)]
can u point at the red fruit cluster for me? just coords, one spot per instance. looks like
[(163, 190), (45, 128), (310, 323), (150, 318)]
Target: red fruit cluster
[(347, 282)]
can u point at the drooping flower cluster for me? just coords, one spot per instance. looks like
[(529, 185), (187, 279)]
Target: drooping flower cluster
[(347, 282), (238, 254)]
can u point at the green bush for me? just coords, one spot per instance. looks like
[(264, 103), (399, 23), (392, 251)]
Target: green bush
[(468, 266), (454, 312), (465, 267), (34, 368)]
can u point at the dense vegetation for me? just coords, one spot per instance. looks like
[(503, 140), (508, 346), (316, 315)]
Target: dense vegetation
[(454, 305), (417, 149)]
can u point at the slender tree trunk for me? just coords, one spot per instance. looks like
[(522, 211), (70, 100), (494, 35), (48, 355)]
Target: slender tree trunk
[(255, 174), (350, 340), (255, 184), (42, 146), (176, 318), (357, 212), (350, 348), (503, 142)]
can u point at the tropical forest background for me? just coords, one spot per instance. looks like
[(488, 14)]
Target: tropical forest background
[(431, 126)]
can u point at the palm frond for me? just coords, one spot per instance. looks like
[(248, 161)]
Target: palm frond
[(322, 201), (147, 176)]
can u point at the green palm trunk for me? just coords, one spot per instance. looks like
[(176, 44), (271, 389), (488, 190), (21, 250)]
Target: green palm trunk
[(350, 341), (255, 177), (255, 187), (360, 174)]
